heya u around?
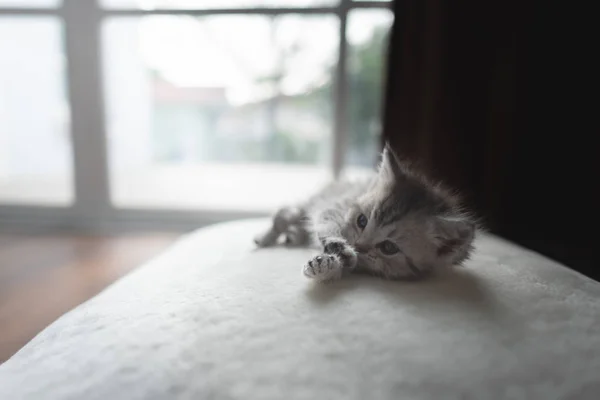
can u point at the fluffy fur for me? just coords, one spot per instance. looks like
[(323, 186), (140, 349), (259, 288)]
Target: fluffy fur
[(396, 225)]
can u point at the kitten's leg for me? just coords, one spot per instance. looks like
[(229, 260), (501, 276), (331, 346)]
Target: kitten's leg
[(338, 246), (338, 256), (282, 220), (296, 235)]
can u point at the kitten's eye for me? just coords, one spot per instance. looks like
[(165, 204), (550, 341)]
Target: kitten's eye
[(388, 248), (361, 221)]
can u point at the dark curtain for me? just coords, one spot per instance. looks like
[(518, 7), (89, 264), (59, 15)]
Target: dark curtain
[(491, 97)]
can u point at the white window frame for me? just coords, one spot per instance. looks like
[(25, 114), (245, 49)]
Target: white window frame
[(92, 209)]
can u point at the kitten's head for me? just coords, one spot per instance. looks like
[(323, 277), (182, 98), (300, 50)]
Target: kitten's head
[(404, 226)]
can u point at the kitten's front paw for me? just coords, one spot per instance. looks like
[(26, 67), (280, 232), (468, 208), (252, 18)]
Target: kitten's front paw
[(343, 250), (324, 267)]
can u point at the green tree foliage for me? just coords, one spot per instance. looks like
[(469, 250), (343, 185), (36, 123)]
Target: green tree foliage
[(365, 77)]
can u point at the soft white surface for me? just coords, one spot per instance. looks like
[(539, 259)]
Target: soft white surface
[(214, 319)]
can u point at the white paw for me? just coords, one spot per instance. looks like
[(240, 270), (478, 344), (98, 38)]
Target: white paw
[(324, 267)]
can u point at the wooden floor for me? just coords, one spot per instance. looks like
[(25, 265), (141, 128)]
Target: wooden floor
[(42, 277)]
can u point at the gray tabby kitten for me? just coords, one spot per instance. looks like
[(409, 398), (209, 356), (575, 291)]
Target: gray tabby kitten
[(395, 225)]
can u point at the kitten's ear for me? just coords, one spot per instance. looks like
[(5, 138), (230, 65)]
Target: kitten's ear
[(390, 168), (453, 237)]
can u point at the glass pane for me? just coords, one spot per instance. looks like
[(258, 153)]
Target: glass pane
[(30, 3), (201, 115), (212, 4), (367, 34), (35, 147)]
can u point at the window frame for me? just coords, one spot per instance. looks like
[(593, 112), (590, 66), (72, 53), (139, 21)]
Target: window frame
[(92, 209)]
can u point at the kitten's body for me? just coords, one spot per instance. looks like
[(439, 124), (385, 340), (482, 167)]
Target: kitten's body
[(395, 224)]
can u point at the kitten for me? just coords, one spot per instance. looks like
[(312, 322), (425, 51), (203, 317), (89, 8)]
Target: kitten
[(395, 225)]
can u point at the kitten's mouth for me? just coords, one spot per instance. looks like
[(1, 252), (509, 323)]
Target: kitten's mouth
[(361, 261), (418, 273), (362, 266)]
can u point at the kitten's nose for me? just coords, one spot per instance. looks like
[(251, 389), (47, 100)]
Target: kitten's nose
[(361, 247)]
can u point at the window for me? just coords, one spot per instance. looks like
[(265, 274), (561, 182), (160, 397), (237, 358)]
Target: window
[(35, 147), (30, 3), (210, 4), (367, 36), (188, 108), (203, 116)]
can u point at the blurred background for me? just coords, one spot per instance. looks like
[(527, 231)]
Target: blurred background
[(124, 123), (201, 105)]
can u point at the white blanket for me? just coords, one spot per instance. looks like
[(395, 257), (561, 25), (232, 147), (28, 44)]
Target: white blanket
[(212, 318)]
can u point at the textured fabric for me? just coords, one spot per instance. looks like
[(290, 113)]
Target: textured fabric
[(212, 318)]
